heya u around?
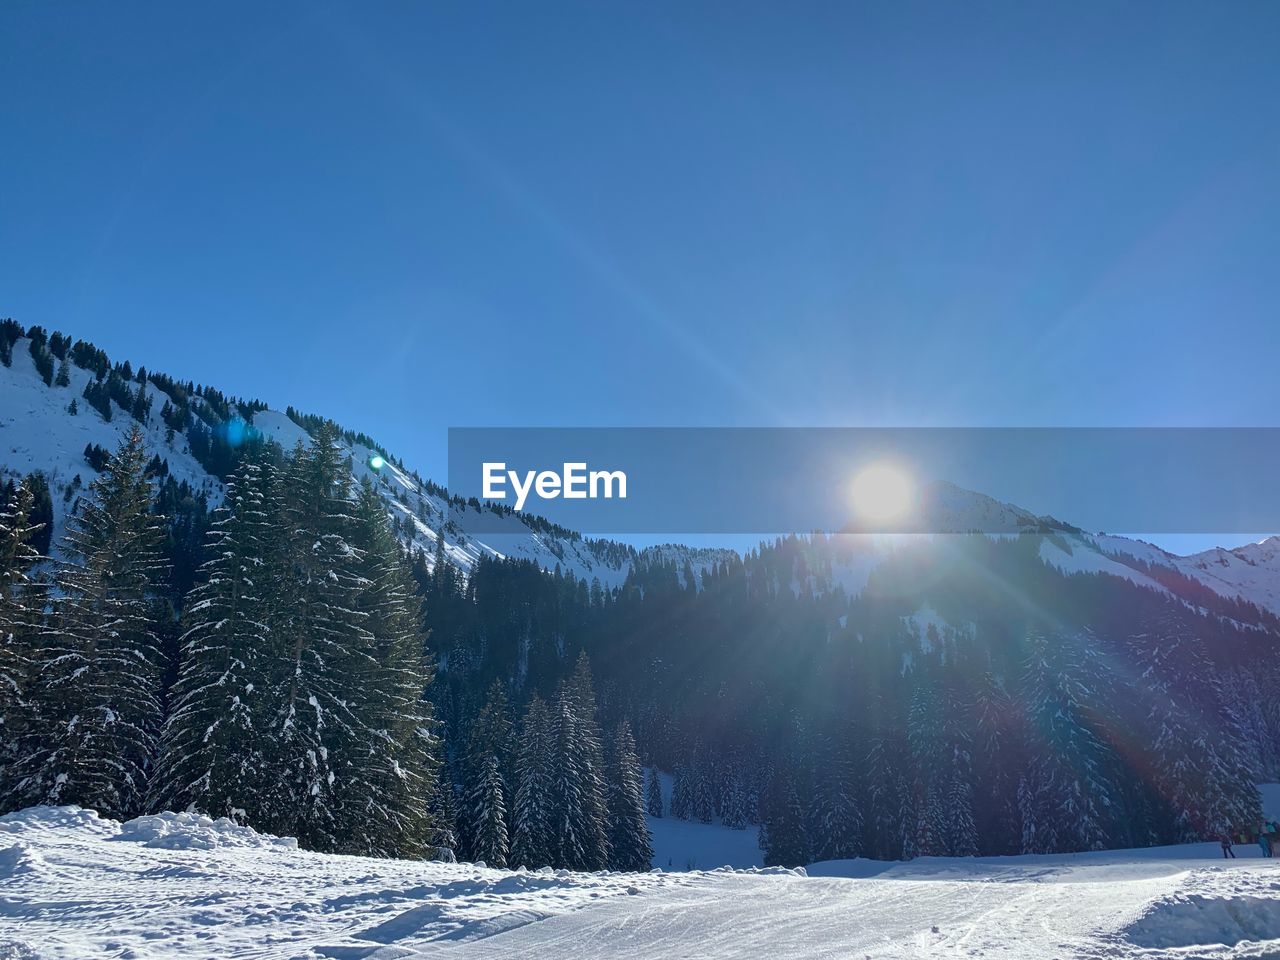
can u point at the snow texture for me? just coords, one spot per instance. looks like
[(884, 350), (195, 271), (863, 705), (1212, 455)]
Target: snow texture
[(81, 887), (192, 831)]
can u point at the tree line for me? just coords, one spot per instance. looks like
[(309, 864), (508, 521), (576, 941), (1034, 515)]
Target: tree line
[(969, 699)]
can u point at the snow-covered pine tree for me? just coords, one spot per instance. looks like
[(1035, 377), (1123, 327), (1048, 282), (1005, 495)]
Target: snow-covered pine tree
[(926, 738), (630, 846), (325, 644), (736, 813), (782, 828), (682, 792), (532, 841), (384, 789), (653, 793), (586, 756), (95, 684), (961, 831), (212, 748), (1069, 795), (1199, 769), (1256, 714), (942, 753), (582, 695), (491, 736), (578, 820), (21, 614), (704, 808), (835, 818), (890, 815), (488, 815), (998, 766), (442, 807), (492, 732)]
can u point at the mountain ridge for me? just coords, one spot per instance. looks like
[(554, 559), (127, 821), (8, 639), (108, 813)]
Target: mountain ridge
[(38, 432)]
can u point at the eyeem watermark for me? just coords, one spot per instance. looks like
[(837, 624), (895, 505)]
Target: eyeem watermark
[(574, 482), (696, 480)]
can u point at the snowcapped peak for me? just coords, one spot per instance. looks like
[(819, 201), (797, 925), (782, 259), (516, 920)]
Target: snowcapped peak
[(944, 507)]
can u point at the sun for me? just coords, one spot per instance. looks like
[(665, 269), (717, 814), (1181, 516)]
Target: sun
[(882, 493)]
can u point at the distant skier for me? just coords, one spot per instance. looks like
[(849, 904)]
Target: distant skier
[(1225, 839), (1264, 840)]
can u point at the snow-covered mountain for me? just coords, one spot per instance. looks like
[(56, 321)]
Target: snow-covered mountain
[(38, 432), (1247, 575)]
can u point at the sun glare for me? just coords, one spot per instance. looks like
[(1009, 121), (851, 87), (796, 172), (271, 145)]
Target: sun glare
[(881, 493)]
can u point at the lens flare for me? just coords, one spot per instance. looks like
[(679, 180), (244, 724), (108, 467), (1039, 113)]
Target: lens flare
[(882, 493), (376, 462)]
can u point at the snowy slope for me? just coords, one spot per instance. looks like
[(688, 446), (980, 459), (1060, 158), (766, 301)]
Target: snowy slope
[(1250, 572), (693, 845), (37, 432), (74, 886)]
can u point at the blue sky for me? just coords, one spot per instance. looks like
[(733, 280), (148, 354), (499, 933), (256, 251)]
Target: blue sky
[(416, 215)]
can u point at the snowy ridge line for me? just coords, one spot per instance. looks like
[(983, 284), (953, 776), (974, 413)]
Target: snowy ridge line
[(38, 432)]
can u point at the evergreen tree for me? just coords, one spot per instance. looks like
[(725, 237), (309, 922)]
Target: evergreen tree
[(630, 847), (682, 792), (654, 795), (835, 820), (384, 787), (1200, 769), (998, 766), (41, 519), (492, 732), (141, 408), (64, 375), (703, 799), (95, 685), (324, 641), (891, 823), (488, 815), (491, 738), (582, 696), (1068, 795), (578, 821), (782, 828), (442, 809), (736, 814), (212, 755), (532, 841), (21, 609), (938, 733), (41, 356)]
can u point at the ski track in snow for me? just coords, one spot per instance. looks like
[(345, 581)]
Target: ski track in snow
[(182, 886)]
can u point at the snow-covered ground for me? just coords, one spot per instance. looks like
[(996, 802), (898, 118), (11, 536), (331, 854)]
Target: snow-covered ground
[(180, 886), (692, 845)]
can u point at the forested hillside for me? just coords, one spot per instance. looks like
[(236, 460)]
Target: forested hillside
[(262, 616)]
